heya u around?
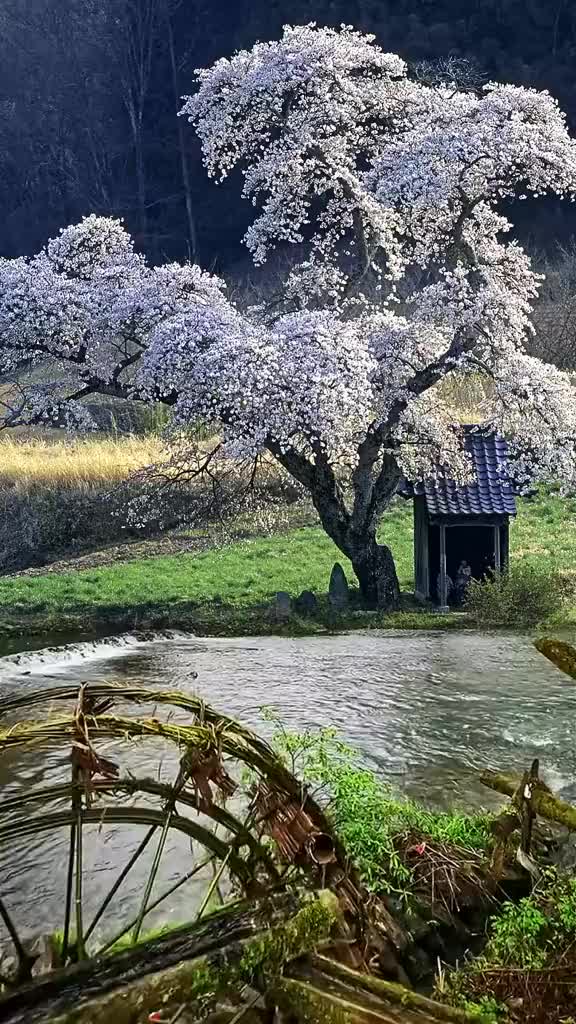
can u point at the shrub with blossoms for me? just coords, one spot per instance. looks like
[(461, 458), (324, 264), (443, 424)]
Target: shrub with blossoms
[(406, 273)]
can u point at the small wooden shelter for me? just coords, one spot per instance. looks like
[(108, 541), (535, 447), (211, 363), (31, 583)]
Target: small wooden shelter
[(462, 522)]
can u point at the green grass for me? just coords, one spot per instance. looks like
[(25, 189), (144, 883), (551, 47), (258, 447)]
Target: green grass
[(545, 532), (220, 590), (526, 940), (369, 816), (227, 591)]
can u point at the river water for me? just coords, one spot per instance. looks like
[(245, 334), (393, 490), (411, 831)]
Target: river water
[(427, 710)]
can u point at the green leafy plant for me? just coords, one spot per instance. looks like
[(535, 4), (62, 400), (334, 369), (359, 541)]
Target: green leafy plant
[(368, 815), (533, 935), (519, 936), (523, 595), (486, 1008), (527, 941)]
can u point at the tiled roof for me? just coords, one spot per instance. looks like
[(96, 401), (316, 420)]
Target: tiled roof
[(490, 493)]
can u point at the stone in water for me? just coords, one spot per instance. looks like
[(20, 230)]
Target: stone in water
[(338, 593)]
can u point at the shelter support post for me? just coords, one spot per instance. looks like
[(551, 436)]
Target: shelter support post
[(443, 595), (497, 550)]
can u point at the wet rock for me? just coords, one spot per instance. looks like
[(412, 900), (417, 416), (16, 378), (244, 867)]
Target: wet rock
[(338, 592), (282, 606), (564, 856), (306, 604), (41, 952)]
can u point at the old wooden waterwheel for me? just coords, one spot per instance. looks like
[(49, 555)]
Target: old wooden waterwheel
[(282, 925)]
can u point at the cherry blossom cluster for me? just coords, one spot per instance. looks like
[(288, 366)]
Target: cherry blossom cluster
[(392, 188), (389, 178)]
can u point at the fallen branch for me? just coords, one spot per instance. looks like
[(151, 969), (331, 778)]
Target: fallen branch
[(321, 989), (543, 801)]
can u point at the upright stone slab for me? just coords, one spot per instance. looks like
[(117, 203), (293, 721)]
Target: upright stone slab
[(282, 606), (306, 604), (338, 593)]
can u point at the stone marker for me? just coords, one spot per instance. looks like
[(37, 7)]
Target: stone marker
[(306, 604), (338, 593), (282, 606)]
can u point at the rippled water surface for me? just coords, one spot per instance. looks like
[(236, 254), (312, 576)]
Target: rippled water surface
[(429, 711)]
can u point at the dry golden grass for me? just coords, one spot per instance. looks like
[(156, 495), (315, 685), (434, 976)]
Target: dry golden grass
[(35, 461)]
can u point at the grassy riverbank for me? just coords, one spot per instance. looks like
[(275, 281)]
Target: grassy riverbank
[(228, 590)]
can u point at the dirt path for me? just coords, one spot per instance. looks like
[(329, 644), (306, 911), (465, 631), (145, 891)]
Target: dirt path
[(128, 551)]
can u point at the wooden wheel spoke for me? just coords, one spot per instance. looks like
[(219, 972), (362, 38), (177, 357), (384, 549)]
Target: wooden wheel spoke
[(123, 874), (255, 847)]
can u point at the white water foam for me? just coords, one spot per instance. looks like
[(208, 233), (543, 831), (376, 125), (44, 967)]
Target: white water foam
[(51, 660)]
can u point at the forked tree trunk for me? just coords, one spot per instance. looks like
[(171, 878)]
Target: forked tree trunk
[(374, 566), (373, 563), (352, 530)]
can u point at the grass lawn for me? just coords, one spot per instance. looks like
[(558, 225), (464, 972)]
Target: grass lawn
[(224, 590)]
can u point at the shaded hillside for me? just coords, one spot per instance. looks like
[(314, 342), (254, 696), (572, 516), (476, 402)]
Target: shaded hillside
[(89, 91)]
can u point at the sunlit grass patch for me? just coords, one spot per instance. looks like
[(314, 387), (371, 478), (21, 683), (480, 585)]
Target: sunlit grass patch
[(227, 590)]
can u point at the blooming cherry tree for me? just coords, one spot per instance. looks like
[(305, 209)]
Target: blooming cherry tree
[(406, 274)]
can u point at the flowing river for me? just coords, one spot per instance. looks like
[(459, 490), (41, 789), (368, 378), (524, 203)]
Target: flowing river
[(427, 710)]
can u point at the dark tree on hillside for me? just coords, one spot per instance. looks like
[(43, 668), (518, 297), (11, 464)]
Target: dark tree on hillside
[(89, 91)]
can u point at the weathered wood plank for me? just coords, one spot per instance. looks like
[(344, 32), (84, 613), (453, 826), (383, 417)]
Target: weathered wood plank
[(229, 948)]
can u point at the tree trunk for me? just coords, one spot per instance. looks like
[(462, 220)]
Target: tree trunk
[(353, 532), (374, 566), (184, 165), (141, 186)]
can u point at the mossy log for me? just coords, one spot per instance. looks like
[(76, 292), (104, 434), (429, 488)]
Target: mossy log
[(561, 654), (543, 801), (321, 990), (239, 945)]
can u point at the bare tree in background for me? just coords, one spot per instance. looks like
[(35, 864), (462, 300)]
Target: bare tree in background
[(464, 72), (169, 9), (60, 134), (555, 312), (132, 44)]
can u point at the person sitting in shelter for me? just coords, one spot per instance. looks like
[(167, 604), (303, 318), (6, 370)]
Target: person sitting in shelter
[(463, 577)]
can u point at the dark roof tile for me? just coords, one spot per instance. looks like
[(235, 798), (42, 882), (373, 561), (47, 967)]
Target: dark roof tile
[(490, 493)]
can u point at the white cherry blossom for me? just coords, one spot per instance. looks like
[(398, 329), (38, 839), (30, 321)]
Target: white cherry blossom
[(406, 275)]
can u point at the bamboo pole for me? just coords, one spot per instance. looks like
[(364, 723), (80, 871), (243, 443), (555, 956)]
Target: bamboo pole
[(114, 889), (320, 989), (151, 787), (156, 903), (24, 961), (390, 991), (130, 816)]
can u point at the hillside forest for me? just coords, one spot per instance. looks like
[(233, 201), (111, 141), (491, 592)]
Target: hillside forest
[(89, 91)]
